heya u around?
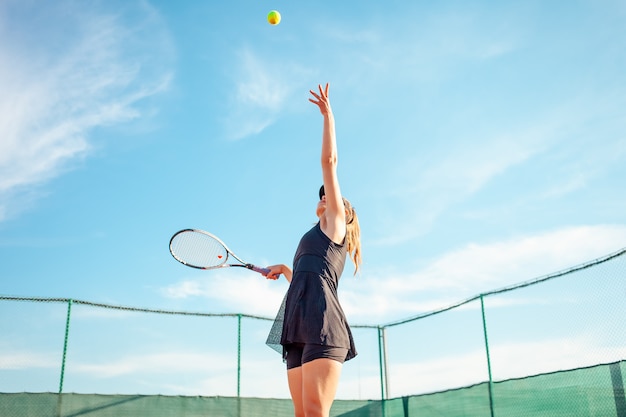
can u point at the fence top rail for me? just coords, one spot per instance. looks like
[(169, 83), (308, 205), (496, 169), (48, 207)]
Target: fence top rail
[(523, 284), (142, 309), (366, 326), (127, 308)]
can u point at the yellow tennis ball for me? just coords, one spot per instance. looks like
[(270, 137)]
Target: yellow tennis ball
[(273, 17)]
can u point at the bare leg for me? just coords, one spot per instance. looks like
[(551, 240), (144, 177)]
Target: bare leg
[(319, 379), (294, 377)]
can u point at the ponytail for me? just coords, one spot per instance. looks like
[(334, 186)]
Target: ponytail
[(353, 235)]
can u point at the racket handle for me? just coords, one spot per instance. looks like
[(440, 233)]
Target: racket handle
[(262, 271), (255, 268)]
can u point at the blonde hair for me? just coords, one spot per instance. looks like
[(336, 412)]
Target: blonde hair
[(353, 235)]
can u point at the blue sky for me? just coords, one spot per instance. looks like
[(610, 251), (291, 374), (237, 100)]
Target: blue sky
[(481, 143)]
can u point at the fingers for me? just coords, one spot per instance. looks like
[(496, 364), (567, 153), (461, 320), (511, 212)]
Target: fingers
[(321, 99), (274, 272), (325, 90), (323, 93), (318, 98)]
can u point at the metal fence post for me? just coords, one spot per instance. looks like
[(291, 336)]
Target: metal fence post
[(238, 355), (67, 333), (482, 308), (382, 356)]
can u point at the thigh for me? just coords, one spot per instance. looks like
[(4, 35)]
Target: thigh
[(294, 378), (320, 378)]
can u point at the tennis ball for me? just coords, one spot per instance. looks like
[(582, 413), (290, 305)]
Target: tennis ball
[(273, 17)]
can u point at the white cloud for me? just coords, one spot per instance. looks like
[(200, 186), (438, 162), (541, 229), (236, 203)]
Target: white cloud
[(474, 269), (380, 296), (471, 166), (485, 266), (460, 171), (548, 157), (160, 362), (263, 87), (182, 372), (245, 292), (511, 360), (64, 75), (259, 87), (583, 161), (260, 94), (434, 48), (23, 359)]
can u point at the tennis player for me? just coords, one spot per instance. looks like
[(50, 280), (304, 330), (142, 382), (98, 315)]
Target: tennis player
[(316, 338)]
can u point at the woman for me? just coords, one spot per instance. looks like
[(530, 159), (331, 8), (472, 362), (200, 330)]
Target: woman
[(316, 338)]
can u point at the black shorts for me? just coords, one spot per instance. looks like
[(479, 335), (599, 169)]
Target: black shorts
[(299, 354)]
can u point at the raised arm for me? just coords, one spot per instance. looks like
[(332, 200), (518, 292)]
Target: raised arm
[(333, 220)]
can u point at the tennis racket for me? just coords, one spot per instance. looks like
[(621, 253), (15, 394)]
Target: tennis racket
[(202, 250)]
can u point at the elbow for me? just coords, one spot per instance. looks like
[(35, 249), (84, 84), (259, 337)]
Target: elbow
[(329, 161)]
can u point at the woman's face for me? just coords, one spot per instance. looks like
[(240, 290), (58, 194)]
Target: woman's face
[(321, 207)]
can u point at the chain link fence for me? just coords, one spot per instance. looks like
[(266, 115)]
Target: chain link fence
[(553, 346)]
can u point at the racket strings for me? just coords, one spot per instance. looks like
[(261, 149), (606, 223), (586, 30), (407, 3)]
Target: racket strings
[(199, 250)]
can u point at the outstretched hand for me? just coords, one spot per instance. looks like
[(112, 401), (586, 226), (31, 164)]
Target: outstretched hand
[(321, 100)]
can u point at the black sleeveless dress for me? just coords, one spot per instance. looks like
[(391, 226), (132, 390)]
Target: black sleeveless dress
[(312, 313)]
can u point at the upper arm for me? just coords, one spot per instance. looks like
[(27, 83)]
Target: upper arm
[(335, 217)]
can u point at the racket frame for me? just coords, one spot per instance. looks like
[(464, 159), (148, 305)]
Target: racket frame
[(229, 253)]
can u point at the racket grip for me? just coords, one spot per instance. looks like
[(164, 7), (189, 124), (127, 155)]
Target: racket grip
[(260, 270), (263, 271)]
